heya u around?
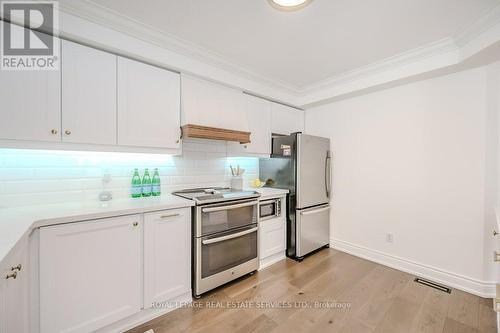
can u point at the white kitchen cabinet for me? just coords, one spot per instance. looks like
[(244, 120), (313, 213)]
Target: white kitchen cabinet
[(148, 105), (272, 238), (30, 105), (88, 95), (209, 104), (90, 273), (258, 117), (167, 255), (286, 120), (14, 296)]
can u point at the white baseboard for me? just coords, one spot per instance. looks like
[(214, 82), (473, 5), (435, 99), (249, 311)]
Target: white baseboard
[(470, 285), (146, 315), (266, 262)]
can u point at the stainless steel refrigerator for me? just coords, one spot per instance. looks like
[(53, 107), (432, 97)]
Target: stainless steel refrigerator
[(302, 164)]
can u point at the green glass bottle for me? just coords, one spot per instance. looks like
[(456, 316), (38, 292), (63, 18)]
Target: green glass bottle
[(156, 190), (136, 189), (146, 184)]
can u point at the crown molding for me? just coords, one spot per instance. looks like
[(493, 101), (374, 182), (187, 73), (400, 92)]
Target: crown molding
[(442, 46), (444, 53), (474, 30), (93, 12), (440, 54)]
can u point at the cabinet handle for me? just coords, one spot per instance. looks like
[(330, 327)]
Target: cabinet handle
[(67, 132), (495, 232), (54, 131), (496, 256), (167, 216), (177, 141), (16, 268), (12, 275), (135, 224)]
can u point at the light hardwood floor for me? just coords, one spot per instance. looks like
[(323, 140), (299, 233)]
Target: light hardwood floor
[(381, 300)]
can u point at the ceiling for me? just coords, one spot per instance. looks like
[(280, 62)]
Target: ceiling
[(302, 48)]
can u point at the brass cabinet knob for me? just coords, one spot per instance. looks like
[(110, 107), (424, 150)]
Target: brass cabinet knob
[(67, 132), (177, 141), (54, 131), (16, 268), (12, 275), (135, 224), (495, 232)]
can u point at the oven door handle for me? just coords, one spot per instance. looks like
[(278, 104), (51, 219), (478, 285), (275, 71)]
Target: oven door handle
[(220, 208), (224, 238)]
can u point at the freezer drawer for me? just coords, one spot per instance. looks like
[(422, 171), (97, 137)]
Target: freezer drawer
[(313, 229)]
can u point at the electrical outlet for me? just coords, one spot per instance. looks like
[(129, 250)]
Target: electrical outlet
[(389, 238)]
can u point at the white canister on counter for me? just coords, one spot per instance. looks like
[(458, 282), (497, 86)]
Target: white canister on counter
[(237, 182)]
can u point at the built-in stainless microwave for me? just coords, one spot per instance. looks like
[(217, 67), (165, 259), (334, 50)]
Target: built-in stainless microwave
[(269, 209)]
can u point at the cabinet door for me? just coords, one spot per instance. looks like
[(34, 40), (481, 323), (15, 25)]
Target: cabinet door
[(286, 120), (209, 104), (272, 237), (148, 105), (16, 299), (88, 95), (258, 115), (30, 105), (167, 255), (90, 274)]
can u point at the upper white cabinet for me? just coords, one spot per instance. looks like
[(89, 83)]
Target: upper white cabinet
[(286, 120), (88, 95), (30, 105), (90, 273), (167, 255), (209, 104), (258, 117), (148, 105)]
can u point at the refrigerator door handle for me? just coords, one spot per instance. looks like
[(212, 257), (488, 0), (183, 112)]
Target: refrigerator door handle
[(327, 174)]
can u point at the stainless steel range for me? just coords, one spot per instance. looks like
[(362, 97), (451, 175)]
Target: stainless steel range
[(224, 235)]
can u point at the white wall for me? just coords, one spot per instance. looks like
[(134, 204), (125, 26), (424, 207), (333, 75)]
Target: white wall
[(418, 161), (30, 177)]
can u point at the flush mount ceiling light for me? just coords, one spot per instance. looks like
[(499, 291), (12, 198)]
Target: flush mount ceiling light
[(289, 5)]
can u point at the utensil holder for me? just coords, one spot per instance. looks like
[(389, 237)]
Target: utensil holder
[(237, 183)]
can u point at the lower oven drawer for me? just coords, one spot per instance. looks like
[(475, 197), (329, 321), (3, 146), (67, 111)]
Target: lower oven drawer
[(223, 257)]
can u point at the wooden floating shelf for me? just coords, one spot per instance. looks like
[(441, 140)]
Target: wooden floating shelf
[(214, 133)]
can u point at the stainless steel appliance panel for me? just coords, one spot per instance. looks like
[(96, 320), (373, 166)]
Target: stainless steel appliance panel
[(313, 171), (222, 252), (269, 209), (223, 257), (313, 229), (221, 217)]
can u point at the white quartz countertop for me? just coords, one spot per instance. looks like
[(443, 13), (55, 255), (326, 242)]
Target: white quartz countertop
[(269, 192), (15, 223)]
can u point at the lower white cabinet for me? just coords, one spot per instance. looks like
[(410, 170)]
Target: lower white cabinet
[(167, 255), (14, 298), (272, 238), (90, 273)]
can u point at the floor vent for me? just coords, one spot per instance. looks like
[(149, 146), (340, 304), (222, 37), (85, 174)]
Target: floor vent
[(433, 285)]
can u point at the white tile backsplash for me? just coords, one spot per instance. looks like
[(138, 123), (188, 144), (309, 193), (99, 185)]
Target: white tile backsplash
[(30, 177)]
